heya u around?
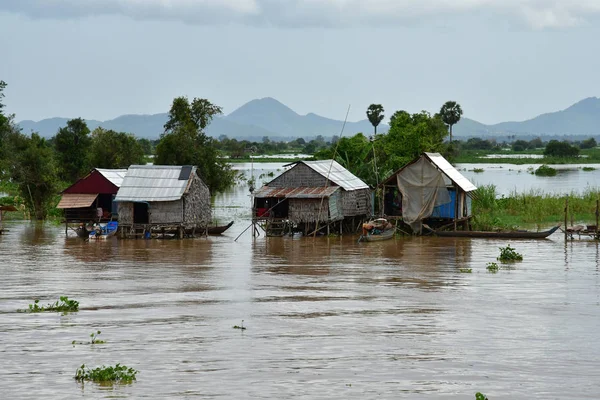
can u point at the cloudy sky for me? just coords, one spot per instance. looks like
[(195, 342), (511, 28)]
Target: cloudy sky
[(98, 59)]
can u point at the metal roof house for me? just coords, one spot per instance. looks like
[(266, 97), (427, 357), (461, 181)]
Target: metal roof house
[(309, 194), (82, 200), (429, 188), (162, 197)]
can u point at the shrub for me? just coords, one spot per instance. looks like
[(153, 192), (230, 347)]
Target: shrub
[(492, 267), (545, 170)]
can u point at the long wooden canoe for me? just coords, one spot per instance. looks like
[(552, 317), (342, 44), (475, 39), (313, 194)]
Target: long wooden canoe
[(217, 230), (499, 234)]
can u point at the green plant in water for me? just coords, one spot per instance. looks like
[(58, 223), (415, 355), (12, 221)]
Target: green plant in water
[(242, 327), (62, 305), (95, 340), (589, 169), (508, 254), (465, 270), (117, 374), (545, 170), (480, 396), (478, 170), (492, 267)]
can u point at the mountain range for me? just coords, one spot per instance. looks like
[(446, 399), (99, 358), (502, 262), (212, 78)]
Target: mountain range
[(268, 117)]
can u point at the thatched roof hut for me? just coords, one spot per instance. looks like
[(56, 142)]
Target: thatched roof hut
[(429, 188), (161, 196), (312, 192)]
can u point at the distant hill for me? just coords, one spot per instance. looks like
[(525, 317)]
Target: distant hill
[(268, 117), (254, 120), (580, 119)]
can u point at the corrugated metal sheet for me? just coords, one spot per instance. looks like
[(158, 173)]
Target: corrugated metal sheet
[(296, 193), (146, 183), (336, 173), (439, 161), (76, 200), (114, 175)]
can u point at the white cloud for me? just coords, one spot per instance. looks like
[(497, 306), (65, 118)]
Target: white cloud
[(538, 14)]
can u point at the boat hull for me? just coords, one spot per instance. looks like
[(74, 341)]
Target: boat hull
[(498, 235), (385, 235), (217, 230)]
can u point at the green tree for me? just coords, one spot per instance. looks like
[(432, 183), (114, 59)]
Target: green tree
[(184, 142), (72, 144), (35, 173), (451, 113), (588, 143), (375, 115), (554, 148), (110, 149)]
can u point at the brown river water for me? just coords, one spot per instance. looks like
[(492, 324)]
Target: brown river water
[(326, 318)]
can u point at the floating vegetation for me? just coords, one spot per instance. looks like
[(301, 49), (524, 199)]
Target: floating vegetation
[(117, 374), (588, 169), (62, 305), (508, 254), (480, 396), (242, 327), (478, 170), (545, 170), (95, 340), (492, 267), (465, 270)]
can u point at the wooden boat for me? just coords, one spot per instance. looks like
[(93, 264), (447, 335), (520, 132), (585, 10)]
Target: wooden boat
[(521, 234), (377, 230), (99, 232), (217, 230)]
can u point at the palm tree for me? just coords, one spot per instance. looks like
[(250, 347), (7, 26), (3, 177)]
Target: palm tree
[(375, 115), (451, 113)]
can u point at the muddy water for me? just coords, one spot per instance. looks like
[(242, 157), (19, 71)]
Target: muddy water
[(326, 318)]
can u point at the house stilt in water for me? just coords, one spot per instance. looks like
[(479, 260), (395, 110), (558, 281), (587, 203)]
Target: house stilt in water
[(162, 199), (310, 196), (430, 190), (91, 198)]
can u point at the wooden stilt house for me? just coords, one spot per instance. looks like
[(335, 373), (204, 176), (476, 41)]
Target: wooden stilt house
[(91, 198), (161, 199), (312, 195), (428, 189)]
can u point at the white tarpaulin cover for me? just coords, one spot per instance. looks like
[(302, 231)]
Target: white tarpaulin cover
[(423, 188)]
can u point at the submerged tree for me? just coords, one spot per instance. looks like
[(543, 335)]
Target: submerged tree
[(375, 115), (184, 142), (451, 113), (34, 171), (72, 144)]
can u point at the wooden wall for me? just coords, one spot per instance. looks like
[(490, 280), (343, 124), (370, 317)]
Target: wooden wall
[(125, 211), (356, 202)]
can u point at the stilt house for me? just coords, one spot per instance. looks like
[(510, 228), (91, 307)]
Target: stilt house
[(159, 198), (91, 198), (312, 195), (428, 189)]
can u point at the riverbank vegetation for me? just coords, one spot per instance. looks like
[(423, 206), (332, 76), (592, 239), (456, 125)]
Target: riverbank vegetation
[(532, 208), (64, 304)]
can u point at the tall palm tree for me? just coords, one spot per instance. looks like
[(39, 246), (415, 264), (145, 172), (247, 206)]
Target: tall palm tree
[(375, 115), (451, 113)]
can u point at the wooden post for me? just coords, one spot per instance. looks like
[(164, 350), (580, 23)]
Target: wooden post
[(566, 215), (455, 205), (597, 213)]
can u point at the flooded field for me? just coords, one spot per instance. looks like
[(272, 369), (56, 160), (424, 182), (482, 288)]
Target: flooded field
[(326, 318)]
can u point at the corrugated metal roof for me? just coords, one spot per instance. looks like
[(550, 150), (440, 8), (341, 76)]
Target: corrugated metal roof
[(336, 173), (296, 192), (152, 183), (114, 175), (439, 161), (76, 200)]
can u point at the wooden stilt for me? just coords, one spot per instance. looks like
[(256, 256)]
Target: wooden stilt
[(566, 215)]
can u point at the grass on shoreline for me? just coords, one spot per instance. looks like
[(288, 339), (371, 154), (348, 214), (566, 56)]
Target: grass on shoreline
[(532, 208), (588, 156)]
